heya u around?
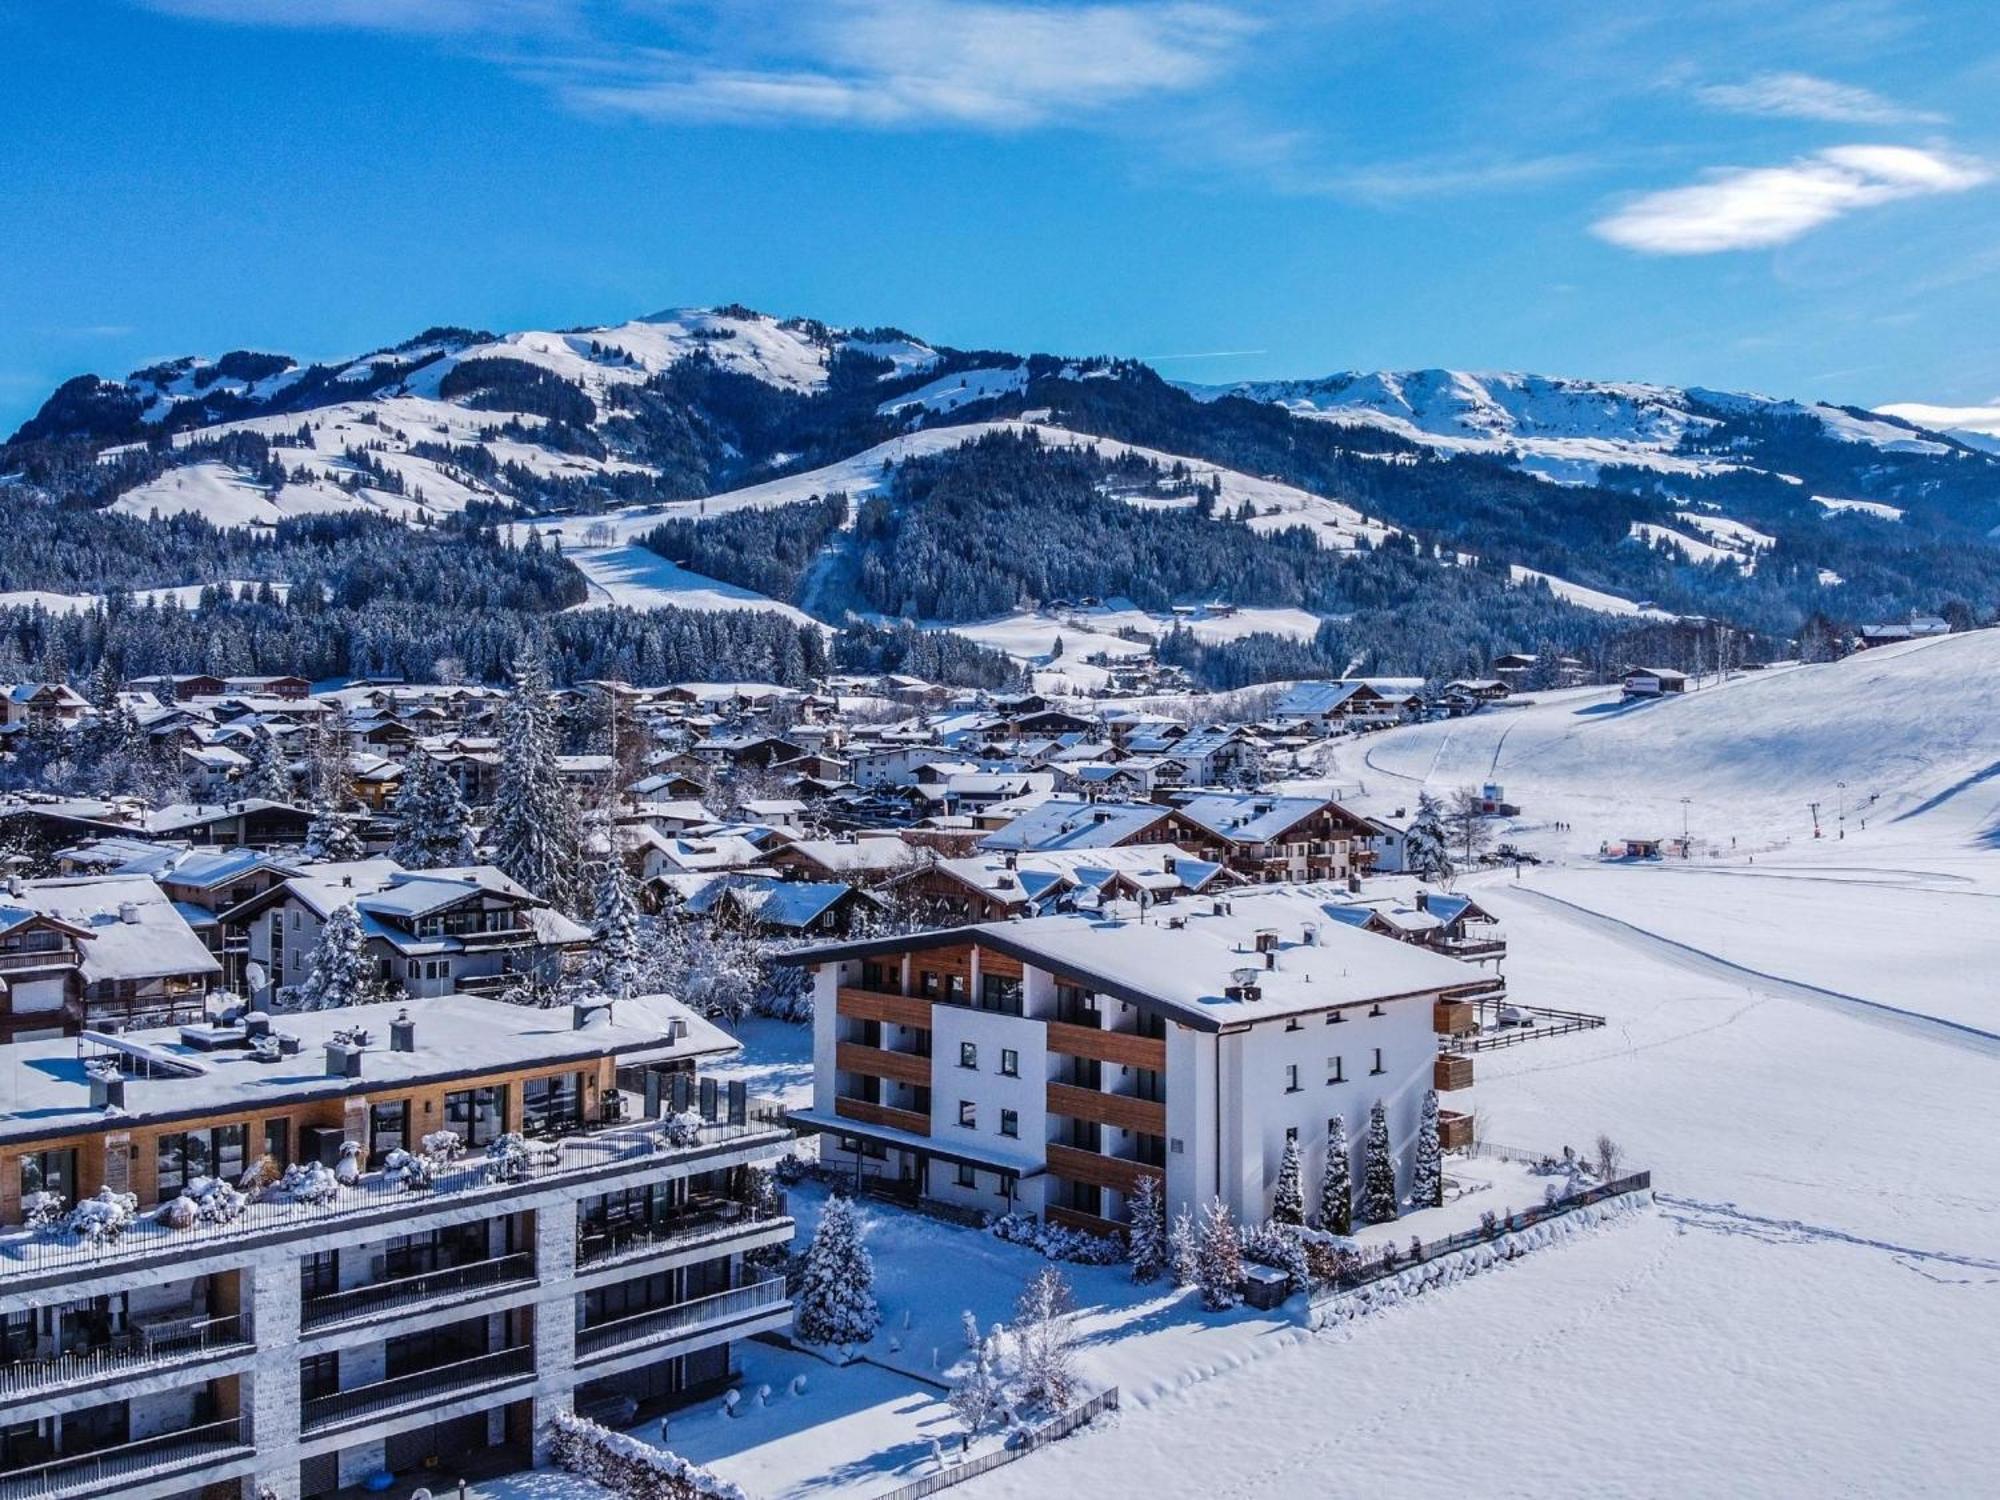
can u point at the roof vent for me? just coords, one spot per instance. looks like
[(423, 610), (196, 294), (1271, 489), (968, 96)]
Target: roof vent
[(343, 1060), (128, 913)]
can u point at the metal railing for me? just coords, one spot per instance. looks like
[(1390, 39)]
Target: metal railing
[(382, 1296), (106, 1471), (28, 1251), (134, 1353), (416, 1390), (682, 1317), (685, 1224)]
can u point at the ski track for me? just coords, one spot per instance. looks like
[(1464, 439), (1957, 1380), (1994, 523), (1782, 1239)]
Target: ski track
[(1727, 1218), (1685, 956)]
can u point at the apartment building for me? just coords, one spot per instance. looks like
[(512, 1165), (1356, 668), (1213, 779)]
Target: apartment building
[(600, 1243), (1045, 1064)]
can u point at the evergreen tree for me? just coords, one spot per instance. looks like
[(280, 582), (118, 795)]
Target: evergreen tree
[(435, 832), (329, 835), (268, 774), (615, 959), (533, 831), (836, 1298), (1148, 1212), (1427, 1169), (1288, 1200), (1378, 1168), (1336, 1188), (1218, 1257), (341, 972), (1426, 854), (1045, 1335), (1182, 1246)]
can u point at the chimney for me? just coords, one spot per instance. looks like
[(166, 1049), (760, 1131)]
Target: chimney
[(403, 1033), (128, 913), (343, 1060), (1270, 958), (107, 1092), (347, 881), (1423, 900)]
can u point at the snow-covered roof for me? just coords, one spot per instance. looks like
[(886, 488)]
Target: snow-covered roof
[(1248, 817), (1181, 963), (1065, 823), (856, 855), (135, 931)]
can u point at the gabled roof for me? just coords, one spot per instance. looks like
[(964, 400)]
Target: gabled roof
[(1065, 823), (1248, 817)]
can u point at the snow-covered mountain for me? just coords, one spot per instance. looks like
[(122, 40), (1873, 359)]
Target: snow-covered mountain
[(1975, 426), (1568, 430)]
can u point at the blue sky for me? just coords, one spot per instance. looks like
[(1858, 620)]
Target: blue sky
[(1801, 198)]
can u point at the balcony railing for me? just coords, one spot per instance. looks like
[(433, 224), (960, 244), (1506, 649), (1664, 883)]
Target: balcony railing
[(132, 1354), (635, 1142), (682, 1318), (416, 1390), (111, 1471), (406, 1291), (689, 1223), (37, 958)]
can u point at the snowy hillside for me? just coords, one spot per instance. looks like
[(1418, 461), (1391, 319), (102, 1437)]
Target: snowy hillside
[(1975, 426)]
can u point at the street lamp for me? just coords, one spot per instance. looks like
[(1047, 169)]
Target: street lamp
[(1841, 815), (1684, 826)]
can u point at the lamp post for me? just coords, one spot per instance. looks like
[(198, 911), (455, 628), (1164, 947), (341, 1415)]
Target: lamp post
[(1841, 816)]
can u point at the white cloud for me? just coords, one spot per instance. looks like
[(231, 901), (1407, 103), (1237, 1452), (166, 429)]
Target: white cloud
[(1801, 96), (425, 16), (1749, 208), (985, 64)]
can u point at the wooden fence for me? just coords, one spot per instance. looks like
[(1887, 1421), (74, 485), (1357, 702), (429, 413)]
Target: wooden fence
[(1030, 1439)]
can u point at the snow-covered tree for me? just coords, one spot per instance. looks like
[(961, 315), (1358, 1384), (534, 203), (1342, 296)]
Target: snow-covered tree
[(836, 1300), (1466, 823), (1288, 1199), (1218, 1266), (977, 1396), (1336, 1187), (330, 835), (1426, 853), (1045, 1335), (341, 973), (1427, 1168), (435, 832), (1148, 1210), (1183, 1244), (269, 773), (1378, 1168), (614, 962), (534, 827)]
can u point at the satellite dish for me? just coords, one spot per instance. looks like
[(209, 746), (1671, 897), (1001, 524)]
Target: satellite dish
[(255, 976)]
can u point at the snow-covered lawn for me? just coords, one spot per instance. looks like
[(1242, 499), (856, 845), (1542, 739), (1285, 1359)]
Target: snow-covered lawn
[(630, 575), (776, 1060)]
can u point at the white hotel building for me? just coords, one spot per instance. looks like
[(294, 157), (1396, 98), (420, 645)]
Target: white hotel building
[(1046, 1064)]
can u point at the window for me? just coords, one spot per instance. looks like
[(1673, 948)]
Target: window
[(1291, 1132), (388, 1129), (319, 1273), (1378, 1068), (967, 1177), (319, 1375), (1010, 1063), (998, 993), (49, 1172), (968, 1114), (1291, 1078), (927, 984), (550, 1106), (968, 1055), (1336, 1070), (477, 1116), (1010, 1122), (278, 1141), (186, 1155), (1175, 1146)]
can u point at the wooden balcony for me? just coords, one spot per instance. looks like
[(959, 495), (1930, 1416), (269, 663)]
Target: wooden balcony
[(1453, 1070), (1119, 1047), (1076, 1218), (1120, 1110), (1453, 1017), (1095, 1170), (1454, 1130), (881, 1062), (882, 1114), (868, 1005)]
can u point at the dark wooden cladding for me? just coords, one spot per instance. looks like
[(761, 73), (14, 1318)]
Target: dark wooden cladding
[(1453, 1017), (880, 1062), (881, 1114), (1120, 1047), (999, 964), (1076, 1218), (1121, 1110), (1454, 1130), (1093, 1170), (899, 1010), (1453, 1071)]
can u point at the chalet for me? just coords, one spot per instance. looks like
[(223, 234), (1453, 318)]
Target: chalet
[(429, 932), (49, 704), (574, 1248), (126, 956), (178, 688), (1264, 837), (1068, 823), (1050, 1063), (862, 861), (255, 821), (1326, 706), (769, 907), (993, 887), (268, 687), (1480, 689), (757, 751)]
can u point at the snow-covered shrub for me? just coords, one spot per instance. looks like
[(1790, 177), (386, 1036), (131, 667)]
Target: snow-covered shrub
[(681, 1130), (103, 1219), (631, 1469), (1045, 1334), (836, 1297), (258, 1176), (791, 1169), (1282, 1247), (1489, 1224), (508, 1158), (44, 1211), (442, 1147), (785, 995), (176, 1213), (1060, 1243), (407, 1170), (309, 1182), (977, 1397), (348, 1172)]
